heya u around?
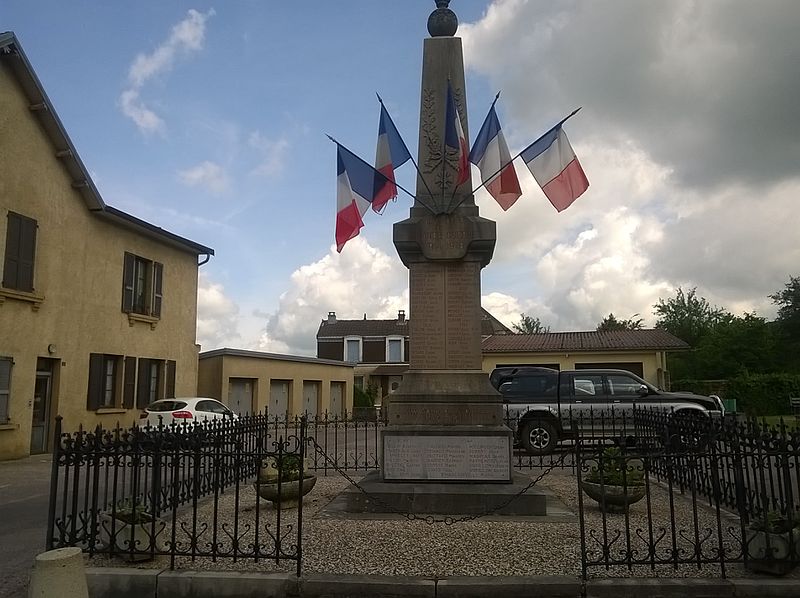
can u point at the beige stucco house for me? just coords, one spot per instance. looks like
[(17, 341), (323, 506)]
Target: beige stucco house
[(255, 382), (97, 308), (643, 352)]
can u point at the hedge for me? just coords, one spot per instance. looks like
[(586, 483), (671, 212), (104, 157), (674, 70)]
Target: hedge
[(764, 394)]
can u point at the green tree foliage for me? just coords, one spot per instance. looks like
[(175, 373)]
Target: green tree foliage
[(688, 316), (764, 394), (737, 345), (788, 322), (529, 325), (611, 323)]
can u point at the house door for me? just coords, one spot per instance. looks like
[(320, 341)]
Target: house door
[(278, 398), (240, 396), (311, 398), (337, 396), (42, 396)]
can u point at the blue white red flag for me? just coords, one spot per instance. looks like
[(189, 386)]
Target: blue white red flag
[(390, 154), (355, 184), (555, 167), (490, 154), (454, 137)]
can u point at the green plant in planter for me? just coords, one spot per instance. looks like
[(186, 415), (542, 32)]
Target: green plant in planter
[(613, 469), (286, 468), (615, 482), (773, 543), (130, 513)]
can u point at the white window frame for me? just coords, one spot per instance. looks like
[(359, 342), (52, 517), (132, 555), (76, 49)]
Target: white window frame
[(402, 348), (360, 348)]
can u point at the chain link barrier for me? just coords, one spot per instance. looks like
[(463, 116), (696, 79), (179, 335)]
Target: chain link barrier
[(431, 519)]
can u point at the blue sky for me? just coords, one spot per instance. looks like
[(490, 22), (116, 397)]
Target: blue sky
[(209, 119)]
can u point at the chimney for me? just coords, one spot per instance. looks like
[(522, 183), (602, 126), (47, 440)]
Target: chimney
[(401, 316), (331, 317)]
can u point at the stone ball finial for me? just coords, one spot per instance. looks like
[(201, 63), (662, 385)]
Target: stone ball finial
[(442, 22)]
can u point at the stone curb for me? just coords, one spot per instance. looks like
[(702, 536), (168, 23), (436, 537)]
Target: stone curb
[(121, 582)]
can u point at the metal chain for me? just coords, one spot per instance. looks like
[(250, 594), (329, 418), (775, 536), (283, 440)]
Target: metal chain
[(430, 519)]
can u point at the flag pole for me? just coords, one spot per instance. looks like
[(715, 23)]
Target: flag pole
[(497, 97), (406, 191), (413, 161), (551, 129)]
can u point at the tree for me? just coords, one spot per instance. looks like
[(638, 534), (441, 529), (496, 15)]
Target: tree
[(610, 323), (735, 346), (529, 325), (688, 316), (788, 322)]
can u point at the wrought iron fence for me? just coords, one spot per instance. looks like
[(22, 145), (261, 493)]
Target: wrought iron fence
[(706, 487), (708, 493)]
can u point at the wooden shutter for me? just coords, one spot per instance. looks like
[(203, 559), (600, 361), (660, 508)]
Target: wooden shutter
[(143, 385), (158, 276), (20, 252), (128, 282), (170, 388), (5, 385), (94, 397), (27, 254), (129, 383)]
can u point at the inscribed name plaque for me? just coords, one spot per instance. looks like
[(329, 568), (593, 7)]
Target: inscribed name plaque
[(448, 458)]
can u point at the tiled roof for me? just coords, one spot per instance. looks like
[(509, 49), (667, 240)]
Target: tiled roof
[(619, 340), (341, 328)]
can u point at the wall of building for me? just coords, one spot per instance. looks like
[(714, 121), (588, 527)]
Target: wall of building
[(78, 275), (652, 362), (215, 372)]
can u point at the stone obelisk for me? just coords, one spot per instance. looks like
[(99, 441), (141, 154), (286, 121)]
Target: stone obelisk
[(445, 419)]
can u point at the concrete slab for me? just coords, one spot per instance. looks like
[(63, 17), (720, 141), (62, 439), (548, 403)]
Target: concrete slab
[(479, 587), (121, 582), (365, 586), (220, 584), (659, 588)]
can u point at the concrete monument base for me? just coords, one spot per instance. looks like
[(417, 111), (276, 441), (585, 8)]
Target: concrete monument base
[(444, 498)]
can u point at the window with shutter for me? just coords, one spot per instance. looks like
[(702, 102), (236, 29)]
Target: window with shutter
[(104, 381), (129, 384), (5, 388), (20, 255), (94, 395), (142, 286), (169, 391)]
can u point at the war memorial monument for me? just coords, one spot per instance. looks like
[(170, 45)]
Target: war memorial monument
[(445, 448)]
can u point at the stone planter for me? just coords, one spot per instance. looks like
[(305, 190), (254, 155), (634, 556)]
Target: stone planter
[(290, 492), (143, 539), (613, 499), (772, 552)]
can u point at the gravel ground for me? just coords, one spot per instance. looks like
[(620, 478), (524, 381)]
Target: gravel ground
[(494, 548)]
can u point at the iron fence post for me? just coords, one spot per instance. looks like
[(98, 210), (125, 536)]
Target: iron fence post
[(51, 512)]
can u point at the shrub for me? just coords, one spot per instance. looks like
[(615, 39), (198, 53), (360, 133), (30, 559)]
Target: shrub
[(615, 470), (763, 394)]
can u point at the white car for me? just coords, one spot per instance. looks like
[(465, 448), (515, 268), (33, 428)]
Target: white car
[(184, 410)]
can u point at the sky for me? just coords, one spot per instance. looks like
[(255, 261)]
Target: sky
[(209, 119)]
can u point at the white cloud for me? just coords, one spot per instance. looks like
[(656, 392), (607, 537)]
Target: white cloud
[(272, 154), (209, 175), (217, 316), (186, 37), (361, 280), (688, 139)]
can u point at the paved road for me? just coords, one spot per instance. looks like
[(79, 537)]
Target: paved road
[(24, 487)]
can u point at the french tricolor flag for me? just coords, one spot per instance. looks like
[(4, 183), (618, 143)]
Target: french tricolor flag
[(355, 184), (555, 167), (454, 137), (390, 154), (490, 154)]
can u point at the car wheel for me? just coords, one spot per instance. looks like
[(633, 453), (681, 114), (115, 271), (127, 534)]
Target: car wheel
[(539, 437)]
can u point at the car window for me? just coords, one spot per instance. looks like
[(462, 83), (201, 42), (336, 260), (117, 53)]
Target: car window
[(212, 407), (162, 406), (531, 387), (620, 385), (587, 386)]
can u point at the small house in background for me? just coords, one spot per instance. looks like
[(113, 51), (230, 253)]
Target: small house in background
[(642, 352), (98, 309), (379, 349), (255, 382)]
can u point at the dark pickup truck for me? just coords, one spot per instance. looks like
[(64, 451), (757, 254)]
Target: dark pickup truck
[(542, 404)]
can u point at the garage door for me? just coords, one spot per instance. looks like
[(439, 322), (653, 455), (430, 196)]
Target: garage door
[(240, 395), (311, 398), (279, 398), (337, 399)]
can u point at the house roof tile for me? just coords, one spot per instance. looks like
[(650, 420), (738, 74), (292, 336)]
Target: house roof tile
[(618, 340)]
